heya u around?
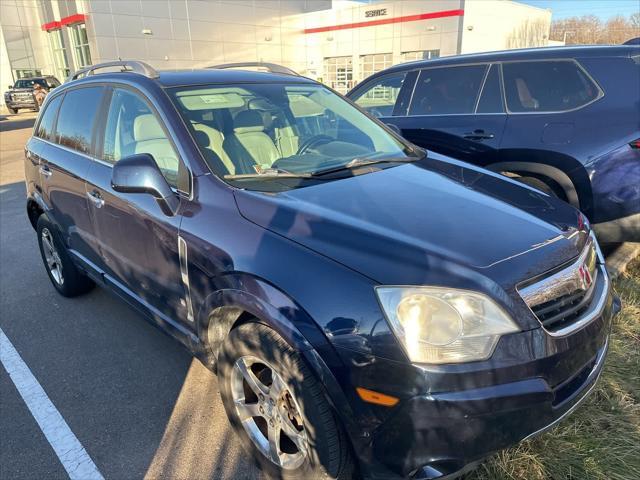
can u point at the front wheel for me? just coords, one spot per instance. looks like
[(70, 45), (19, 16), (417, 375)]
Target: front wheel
[(277, 407)]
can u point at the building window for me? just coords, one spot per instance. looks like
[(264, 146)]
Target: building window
[(338, 73), (25, 73), (420, 55), (370, 64), (56, 42), (81, 52)]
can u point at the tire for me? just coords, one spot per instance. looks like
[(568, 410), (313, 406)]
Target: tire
[(13, 110), (66, 278), (538, 184), (36, 108), (260, 351)]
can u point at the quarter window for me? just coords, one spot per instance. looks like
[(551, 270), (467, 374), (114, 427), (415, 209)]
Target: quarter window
[(77, 117), (132, 127), (45, 127), (380, 96), (447, 90), (548, 86)]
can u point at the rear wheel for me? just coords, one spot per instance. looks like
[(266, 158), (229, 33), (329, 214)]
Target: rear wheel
[(67, 279), (278, 409)]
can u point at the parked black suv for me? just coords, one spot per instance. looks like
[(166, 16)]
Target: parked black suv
[(564, 120), (21, 95), (369, 310)]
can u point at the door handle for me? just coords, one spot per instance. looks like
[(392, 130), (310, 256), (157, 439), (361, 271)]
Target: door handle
[(45, 171), (96, 198), (478, 135)]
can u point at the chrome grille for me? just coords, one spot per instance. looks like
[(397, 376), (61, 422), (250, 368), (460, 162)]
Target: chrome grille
[(563, 298)]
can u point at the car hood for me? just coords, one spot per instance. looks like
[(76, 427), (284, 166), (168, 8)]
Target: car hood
[(405, 224)]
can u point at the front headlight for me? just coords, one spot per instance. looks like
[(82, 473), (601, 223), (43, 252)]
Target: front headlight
[(444, 325)]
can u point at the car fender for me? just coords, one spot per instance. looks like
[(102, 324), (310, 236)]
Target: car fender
[(272, 307)]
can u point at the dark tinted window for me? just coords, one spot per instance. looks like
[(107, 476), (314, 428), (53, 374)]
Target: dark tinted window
[(447, 90), (77, 117), (548, 86), (379, 96), (491, 97), (47, 121)]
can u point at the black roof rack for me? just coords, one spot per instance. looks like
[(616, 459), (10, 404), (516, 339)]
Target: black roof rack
[(271, 67), (127, 66)]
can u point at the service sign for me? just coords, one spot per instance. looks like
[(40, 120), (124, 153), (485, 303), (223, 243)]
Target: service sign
[(379, 12)]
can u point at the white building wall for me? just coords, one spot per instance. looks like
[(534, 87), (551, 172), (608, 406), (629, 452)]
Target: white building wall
[(491, 25)]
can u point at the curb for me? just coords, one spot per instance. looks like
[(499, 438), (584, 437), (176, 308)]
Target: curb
[(617, 262)]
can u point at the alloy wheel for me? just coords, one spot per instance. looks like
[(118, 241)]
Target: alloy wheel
[(269, 412), (54, 264)]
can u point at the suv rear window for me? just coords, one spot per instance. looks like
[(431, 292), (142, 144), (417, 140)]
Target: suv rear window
[(447, 90), (77, 115), (547, 86)]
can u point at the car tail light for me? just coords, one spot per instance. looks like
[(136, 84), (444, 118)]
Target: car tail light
[(635, 144)]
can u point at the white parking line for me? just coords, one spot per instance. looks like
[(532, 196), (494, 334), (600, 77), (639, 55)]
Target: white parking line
[(72, 455)]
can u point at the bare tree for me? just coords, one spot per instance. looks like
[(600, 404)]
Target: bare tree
[(530, 33), (589, 30)]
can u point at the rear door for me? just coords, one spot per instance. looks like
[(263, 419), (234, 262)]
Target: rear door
[(65, 157), (456, 111), (139, 243)]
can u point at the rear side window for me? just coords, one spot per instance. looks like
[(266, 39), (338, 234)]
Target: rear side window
[(447, 90), (77, 117), (47, 121), (547, 86), (380, 96)]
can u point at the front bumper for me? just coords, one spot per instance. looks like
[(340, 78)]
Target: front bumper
[(463, 413)]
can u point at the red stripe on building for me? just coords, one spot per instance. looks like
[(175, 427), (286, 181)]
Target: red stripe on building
[(386, 21), (71, 19)]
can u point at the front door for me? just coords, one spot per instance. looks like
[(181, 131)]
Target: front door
[(139, 243)]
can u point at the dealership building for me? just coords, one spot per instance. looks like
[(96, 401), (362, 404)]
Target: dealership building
[(338, 42)]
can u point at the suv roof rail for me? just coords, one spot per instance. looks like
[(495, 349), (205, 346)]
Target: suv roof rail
[(271, 67), (127, 66)]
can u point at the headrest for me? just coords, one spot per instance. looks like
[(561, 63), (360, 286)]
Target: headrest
[(146, 127), (202, 139), (248, 121)]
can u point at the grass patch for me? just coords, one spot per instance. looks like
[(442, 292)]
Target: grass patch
[(601, 439)]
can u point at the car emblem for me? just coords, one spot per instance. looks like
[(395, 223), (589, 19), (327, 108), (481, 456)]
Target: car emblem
[(585, 276)]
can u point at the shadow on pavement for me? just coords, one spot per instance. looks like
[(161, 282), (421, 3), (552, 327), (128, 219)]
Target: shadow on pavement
[(15, 122)]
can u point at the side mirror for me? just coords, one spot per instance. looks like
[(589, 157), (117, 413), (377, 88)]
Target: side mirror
[(139, 173), (10, 87)]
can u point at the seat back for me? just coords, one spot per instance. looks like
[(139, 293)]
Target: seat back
[(149, 137), (249, 143)]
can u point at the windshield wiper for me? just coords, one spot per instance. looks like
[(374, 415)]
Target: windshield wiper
[(267, 174), (363, 162)]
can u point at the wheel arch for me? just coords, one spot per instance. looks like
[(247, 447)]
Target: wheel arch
[(569, 174), (228, 308), (34, 210)]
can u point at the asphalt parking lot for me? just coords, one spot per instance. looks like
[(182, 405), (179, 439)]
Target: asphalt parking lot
[(133, 397)]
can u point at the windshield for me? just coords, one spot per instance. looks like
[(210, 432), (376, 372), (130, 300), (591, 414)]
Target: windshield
[(252, 132), (29, 82)]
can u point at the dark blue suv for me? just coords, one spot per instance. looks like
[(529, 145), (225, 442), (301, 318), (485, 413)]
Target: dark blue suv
[(563, 120), (370, 311)]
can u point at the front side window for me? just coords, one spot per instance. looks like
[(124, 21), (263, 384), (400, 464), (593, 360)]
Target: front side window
[(132, 127), (47, 121), (258, 130), (547, 86), (380, 96), (77, 117), (447, 90)]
